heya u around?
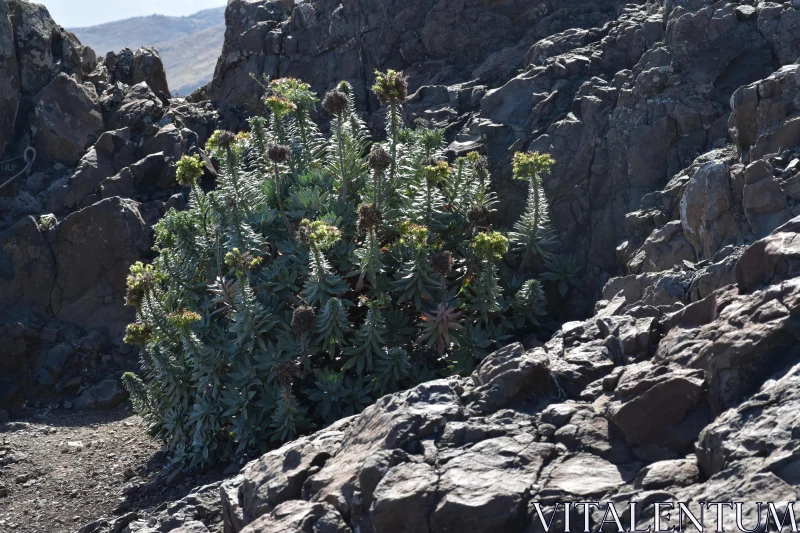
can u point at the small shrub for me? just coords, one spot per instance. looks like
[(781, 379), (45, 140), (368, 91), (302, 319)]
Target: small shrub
[(322, 273)]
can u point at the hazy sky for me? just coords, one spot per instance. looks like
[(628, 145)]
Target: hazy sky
[(80, 13)]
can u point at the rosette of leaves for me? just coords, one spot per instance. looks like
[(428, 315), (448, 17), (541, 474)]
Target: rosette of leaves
[(319, 274)]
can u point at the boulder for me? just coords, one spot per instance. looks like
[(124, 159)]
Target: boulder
[(772, 259), (298, 516), (707, 210), (584, 475), (666, 474), (27, 269), (510, 374), (67, 120), (676, 394), (480, 487), (139, 109), (147, 67), (93, 168), (50, 363), (94, 249), (107, 394), (404, 499)]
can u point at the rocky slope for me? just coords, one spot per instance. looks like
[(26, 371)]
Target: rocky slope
[(676, 130), (189, 46)]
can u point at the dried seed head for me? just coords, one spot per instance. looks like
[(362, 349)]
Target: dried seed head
[(285, 373), (476, 215), (226, 139), (303, 319), (442, 262), (428, 162), (369, 217), (482, 165), (379, 159), (335, 102), (390, 87), (278, 153)]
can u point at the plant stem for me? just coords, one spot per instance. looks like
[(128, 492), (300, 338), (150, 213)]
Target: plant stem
[(393, 126), (343, 189), (279, 196)]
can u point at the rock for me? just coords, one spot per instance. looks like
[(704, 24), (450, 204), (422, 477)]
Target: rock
[(772, 259), (107, 394), (169, 141), (665, 474), (50, 364), (510, 374), (148, 68), (677, 395), (707, 210), (27, 269), (578, 355), (765, 206), (91, 171), (299, 517), (93, 251), (474, 494), (74, 446), (279, 476), (139, 109), (405, 498), (142, 66), (584, 475), (67, 121), (664, 248), (122, 185), (192, 526)]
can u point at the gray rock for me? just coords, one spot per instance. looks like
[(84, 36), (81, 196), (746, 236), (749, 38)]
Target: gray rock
[(665, 474), (405, 498), (27, 269), (139, 109), (772, 259), (93, 252), (299, 516), (68, 121), (51, 362), (107, 394), (510, 374), (584, 475), (9, 79), (707, 210)]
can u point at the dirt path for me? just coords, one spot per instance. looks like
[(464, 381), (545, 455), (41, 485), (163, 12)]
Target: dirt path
[(65, 470)]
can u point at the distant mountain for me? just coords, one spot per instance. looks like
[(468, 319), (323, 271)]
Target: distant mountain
[(189, 46)]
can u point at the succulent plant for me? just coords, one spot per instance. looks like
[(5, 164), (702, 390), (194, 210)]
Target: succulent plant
[(321, 273)]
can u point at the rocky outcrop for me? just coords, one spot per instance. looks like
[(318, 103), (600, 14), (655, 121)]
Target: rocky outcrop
[(107, 140), (323, 42)]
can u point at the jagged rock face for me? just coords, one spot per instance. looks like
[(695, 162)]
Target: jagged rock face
[(325, 41), (107, 139)]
